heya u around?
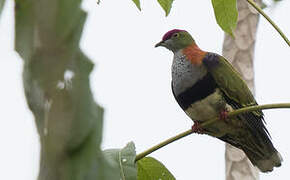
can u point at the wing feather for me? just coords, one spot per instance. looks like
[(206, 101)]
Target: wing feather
[(235, 90)]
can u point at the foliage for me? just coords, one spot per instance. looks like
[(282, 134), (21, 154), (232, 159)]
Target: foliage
[(124, 160), (150, 169), (226, 14), (137, 3), (57, 88), (166, 5)]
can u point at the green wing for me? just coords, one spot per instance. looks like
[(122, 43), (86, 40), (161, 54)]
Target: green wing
[(230, 82), (237, 94)]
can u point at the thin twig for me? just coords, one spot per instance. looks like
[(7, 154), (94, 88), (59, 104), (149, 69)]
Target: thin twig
[(269, 20), (231, 114)]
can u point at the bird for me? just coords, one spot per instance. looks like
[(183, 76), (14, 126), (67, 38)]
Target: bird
[(206, 86)]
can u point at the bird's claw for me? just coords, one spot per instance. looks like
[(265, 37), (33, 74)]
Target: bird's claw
[(196, 128), (224, 114)]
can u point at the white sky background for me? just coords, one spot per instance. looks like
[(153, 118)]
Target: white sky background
[(131, 80)]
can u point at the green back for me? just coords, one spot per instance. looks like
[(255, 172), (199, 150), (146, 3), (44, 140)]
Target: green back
[(231, 83)]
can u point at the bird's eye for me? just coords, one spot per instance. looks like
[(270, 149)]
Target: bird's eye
[(175, 35)]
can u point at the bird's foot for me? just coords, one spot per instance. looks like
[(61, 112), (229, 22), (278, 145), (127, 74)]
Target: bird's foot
[(224, 115), (196, 128)]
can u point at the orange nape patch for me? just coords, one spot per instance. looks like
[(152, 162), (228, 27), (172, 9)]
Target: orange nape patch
[(194, 54)]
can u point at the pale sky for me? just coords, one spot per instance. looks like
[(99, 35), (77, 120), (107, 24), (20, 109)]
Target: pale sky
[(131, 80)]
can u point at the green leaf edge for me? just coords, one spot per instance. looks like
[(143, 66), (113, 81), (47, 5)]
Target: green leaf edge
[(137, 3), (166, 5), (155, 161), (115, 159), (236, 20)]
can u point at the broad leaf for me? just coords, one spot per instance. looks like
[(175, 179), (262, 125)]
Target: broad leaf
[(151, 169), (57, 87), (137, 3), (124, 160), (166, 5), (226, 14)]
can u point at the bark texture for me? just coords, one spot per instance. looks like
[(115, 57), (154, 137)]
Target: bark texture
[(240, 52)]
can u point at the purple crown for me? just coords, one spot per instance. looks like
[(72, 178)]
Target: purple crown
[(170, 33)]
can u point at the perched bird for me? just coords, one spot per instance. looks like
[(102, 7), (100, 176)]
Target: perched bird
[(206, 86)]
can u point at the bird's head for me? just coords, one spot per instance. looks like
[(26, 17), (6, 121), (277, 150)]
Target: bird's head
[(175, 40)]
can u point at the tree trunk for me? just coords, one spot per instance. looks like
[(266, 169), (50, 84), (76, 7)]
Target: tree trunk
[(240, 52)]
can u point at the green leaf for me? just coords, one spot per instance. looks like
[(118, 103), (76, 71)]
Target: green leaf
[(2, 2), (137, 3), (68, 120), (124, 160), (166, 5), (226, 14), (151, 169)]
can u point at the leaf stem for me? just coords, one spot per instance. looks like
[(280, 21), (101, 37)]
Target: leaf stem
[(231, 114), (269, 20)]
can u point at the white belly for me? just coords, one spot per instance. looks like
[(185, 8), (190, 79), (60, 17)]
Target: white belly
[(207, 108)]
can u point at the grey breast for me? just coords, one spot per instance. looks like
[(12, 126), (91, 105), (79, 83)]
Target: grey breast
[(184, 73)]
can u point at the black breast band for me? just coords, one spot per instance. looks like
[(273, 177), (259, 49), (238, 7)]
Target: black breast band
[(200, 90)]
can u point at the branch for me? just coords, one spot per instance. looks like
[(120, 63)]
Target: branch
[(269, 20), (204, 124)]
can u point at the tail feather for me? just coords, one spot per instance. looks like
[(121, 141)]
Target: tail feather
[(261, 153), (258, 147), (265, 163)]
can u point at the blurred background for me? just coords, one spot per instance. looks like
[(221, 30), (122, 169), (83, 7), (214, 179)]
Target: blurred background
[(131, 80)]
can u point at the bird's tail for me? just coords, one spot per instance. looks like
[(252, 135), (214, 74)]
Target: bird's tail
[(265, 157), (260, 151)]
